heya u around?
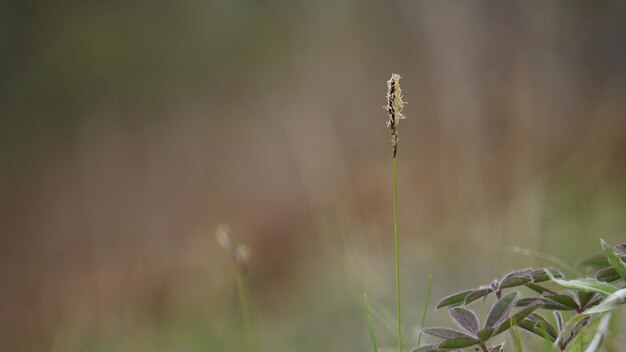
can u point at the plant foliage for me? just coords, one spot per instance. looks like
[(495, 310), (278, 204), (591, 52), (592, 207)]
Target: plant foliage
[(587, 299)]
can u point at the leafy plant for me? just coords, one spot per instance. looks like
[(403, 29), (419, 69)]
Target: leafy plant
[(590, 303)]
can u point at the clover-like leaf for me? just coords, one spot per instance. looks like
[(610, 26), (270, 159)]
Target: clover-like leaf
[(501, 309), (518, 317), (465, 319), (614, 260), (445, 333), (454, 299)]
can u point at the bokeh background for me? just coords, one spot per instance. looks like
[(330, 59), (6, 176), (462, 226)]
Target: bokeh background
[(130, 130)]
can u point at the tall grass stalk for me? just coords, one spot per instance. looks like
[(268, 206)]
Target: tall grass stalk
[(238, 255), (394, 108), (370, 324), (419, 337), (396, 248)]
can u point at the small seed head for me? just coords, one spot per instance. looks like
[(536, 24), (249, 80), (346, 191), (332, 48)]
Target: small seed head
[(394, 108), (225, 239), (238, 254)]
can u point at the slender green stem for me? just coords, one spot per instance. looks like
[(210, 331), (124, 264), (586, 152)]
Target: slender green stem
[(419, 338), (370, 324), (246, 310), (395, 237)]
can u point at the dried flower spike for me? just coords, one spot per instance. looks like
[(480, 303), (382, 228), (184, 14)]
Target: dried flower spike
[(238, 254), (394, 107)]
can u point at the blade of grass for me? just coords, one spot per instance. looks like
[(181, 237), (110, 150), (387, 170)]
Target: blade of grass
[(370, 324), (419, 337), (517, 341)]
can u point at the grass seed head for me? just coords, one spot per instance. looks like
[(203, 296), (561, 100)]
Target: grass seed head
[(238, 254), (394, 107)]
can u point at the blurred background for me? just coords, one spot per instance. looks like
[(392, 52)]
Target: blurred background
[(130, 130)]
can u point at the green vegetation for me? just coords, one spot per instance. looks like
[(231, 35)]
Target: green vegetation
[(587, 300)]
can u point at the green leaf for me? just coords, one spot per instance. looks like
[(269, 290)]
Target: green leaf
[(485, 334), (609, 303), (465, 319), (546, 303), (607, 275), (501, 309), (543, 324), (538, 289), (459, 342), (587, 285), (518, 317), (559, 321), (476, 294), (585, 298), (445, 333), (615, 261), (563, 299), (515, 281), (454, 299), (534, 328)]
